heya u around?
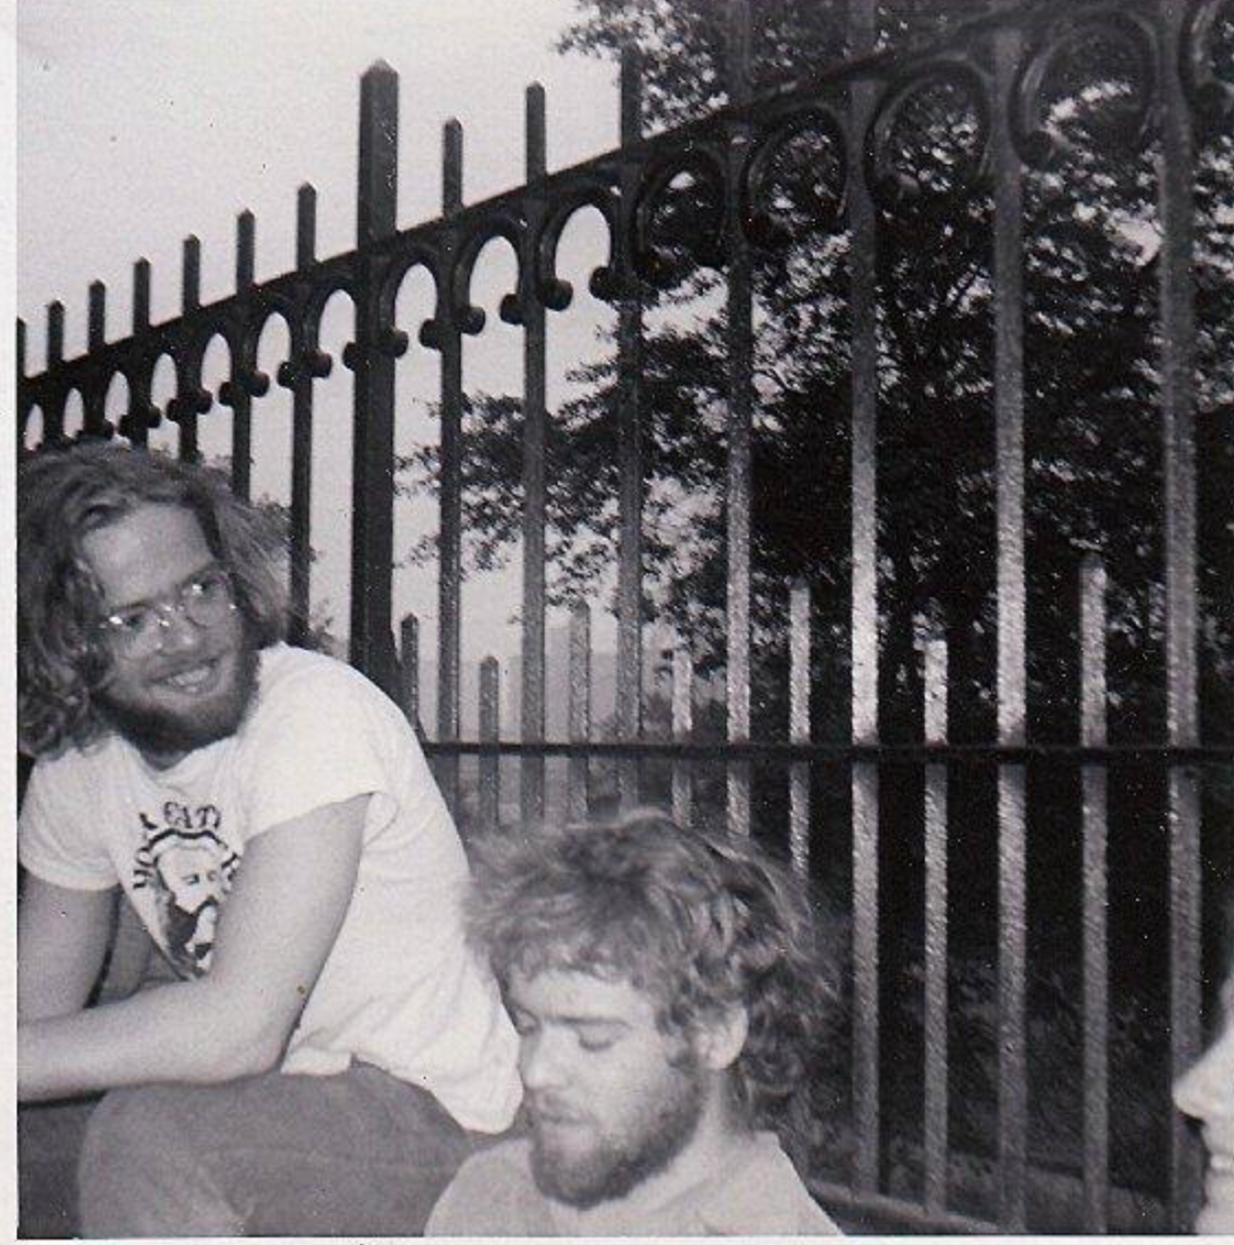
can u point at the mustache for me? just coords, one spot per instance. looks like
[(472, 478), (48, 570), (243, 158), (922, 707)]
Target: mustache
[(549, 1106)]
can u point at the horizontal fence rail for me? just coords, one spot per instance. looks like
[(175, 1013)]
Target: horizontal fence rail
[(1002, 66)]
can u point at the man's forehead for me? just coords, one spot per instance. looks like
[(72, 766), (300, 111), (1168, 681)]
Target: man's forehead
[(572, 994), (146, 551)]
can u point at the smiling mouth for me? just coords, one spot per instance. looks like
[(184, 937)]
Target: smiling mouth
[(193, 680)]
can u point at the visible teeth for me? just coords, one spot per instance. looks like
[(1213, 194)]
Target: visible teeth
[(189, 680)]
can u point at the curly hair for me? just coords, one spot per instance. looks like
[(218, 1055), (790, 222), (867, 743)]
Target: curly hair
[(700, 921), (62, 496)]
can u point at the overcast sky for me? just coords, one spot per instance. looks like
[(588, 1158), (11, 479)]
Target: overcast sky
[(143, 121)]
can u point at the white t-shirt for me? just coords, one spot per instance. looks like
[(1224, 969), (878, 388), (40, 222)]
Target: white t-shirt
[(399, 989)]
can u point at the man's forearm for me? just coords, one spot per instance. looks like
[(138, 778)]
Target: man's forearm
[(183, 1032)]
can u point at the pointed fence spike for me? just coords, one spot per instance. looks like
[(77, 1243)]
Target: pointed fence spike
[(141, 295), (452, 167), (376, 209), (536, 140), (306, 226), (55, 333), (97, 333), (246, 249), (190, 274), (631, 95)]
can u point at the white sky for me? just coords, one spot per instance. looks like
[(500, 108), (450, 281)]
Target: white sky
[(142, 121)]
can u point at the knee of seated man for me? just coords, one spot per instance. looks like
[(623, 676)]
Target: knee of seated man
[(134, 1132)]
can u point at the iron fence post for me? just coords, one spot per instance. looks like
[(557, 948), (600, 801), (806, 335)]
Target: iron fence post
[(372, 546)]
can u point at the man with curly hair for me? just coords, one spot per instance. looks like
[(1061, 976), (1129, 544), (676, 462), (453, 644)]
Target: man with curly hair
[(327, 1041), (667, 993)]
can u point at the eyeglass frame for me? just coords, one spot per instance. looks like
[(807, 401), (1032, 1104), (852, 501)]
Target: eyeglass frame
[(137, 643)]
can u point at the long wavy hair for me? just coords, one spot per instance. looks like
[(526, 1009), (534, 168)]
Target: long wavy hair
[(62, 496), (700, 921)]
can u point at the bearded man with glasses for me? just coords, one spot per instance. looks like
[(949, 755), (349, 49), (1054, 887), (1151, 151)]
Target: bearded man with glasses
[(325, 1043)]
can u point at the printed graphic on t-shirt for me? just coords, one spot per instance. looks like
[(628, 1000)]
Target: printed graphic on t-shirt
[(187, 867)]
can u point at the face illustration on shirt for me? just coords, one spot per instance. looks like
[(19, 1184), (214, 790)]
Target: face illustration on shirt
[(187, 868), (191, 873), (611, 1099), (194, 687)]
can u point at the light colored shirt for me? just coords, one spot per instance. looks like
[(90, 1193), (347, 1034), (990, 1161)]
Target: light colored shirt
[(400, 988), (760, 1194), (1206, 1092)]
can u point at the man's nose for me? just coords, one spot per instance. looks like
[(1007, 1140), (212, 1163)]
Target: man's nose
[(177, 631), (541, 1061)]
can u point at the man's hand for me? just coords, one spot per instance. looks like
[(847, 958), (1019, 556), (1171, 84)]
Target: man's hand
[(275, 932)]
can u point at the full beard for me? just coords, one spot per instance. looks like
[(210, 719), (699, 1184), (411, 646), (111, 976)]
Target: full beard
[(616, 1165), (156, 731)]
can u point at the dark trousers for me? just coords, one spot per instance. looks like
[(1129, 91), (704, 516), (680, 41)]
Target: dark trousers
[(357, 1154)]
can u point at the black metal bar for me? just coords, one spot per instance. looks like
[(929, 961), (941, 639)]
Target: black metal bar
[(490, 766), (799, 724), (1012, 670), (874, 754), (450, 554), (740, 378), (683, 727), (240, 400), (190, 301), (53, 411), (1176, 206), (20, 425), (299, 378), (1095, 883), (630, 454), (96, 335), (95, 397), (372, 474), (141, 296), (141, 410), (864, 626), (936, 930), (531, 777), (839, 1197), (409, 668), (577, 795)]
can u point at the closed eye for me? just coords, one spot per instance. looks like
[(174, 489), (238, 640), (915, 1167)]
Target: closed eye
[(597, 1037), (594, 1045)]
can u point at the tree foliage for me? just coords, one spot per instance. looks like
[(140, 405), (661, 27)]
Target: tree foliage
[(1091, 398)]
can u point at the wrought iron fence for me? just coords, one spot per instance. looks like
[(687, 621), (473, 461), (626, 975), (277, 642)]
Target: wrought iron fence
[(1001, 66)]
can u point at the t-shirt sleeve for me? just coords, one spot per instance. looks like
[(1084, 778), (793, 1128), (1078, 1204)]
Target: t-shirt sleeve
[(316, 741), (57, 838), (450, 1214), (482, 1200)]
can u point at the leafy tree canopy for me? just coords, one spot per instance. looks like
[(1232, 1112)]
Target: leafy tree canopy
[(1094, 469)]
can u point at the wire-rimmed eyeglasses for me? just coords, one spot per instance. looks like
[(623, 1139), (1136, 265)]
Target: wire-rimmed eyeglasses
[(205, 600)]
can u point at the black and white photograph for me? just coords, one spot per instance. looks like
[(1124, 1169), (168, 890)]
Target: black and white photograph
[(624, 618)]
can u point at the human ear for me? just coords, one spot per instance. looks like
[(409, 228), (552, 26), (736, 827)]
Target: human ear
[(720, 1039)]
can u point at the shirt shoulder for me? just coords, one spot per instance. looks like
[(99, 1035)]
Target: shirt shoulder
[(287, 671), (61, 836), (493, 1194), (764, 1197)]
